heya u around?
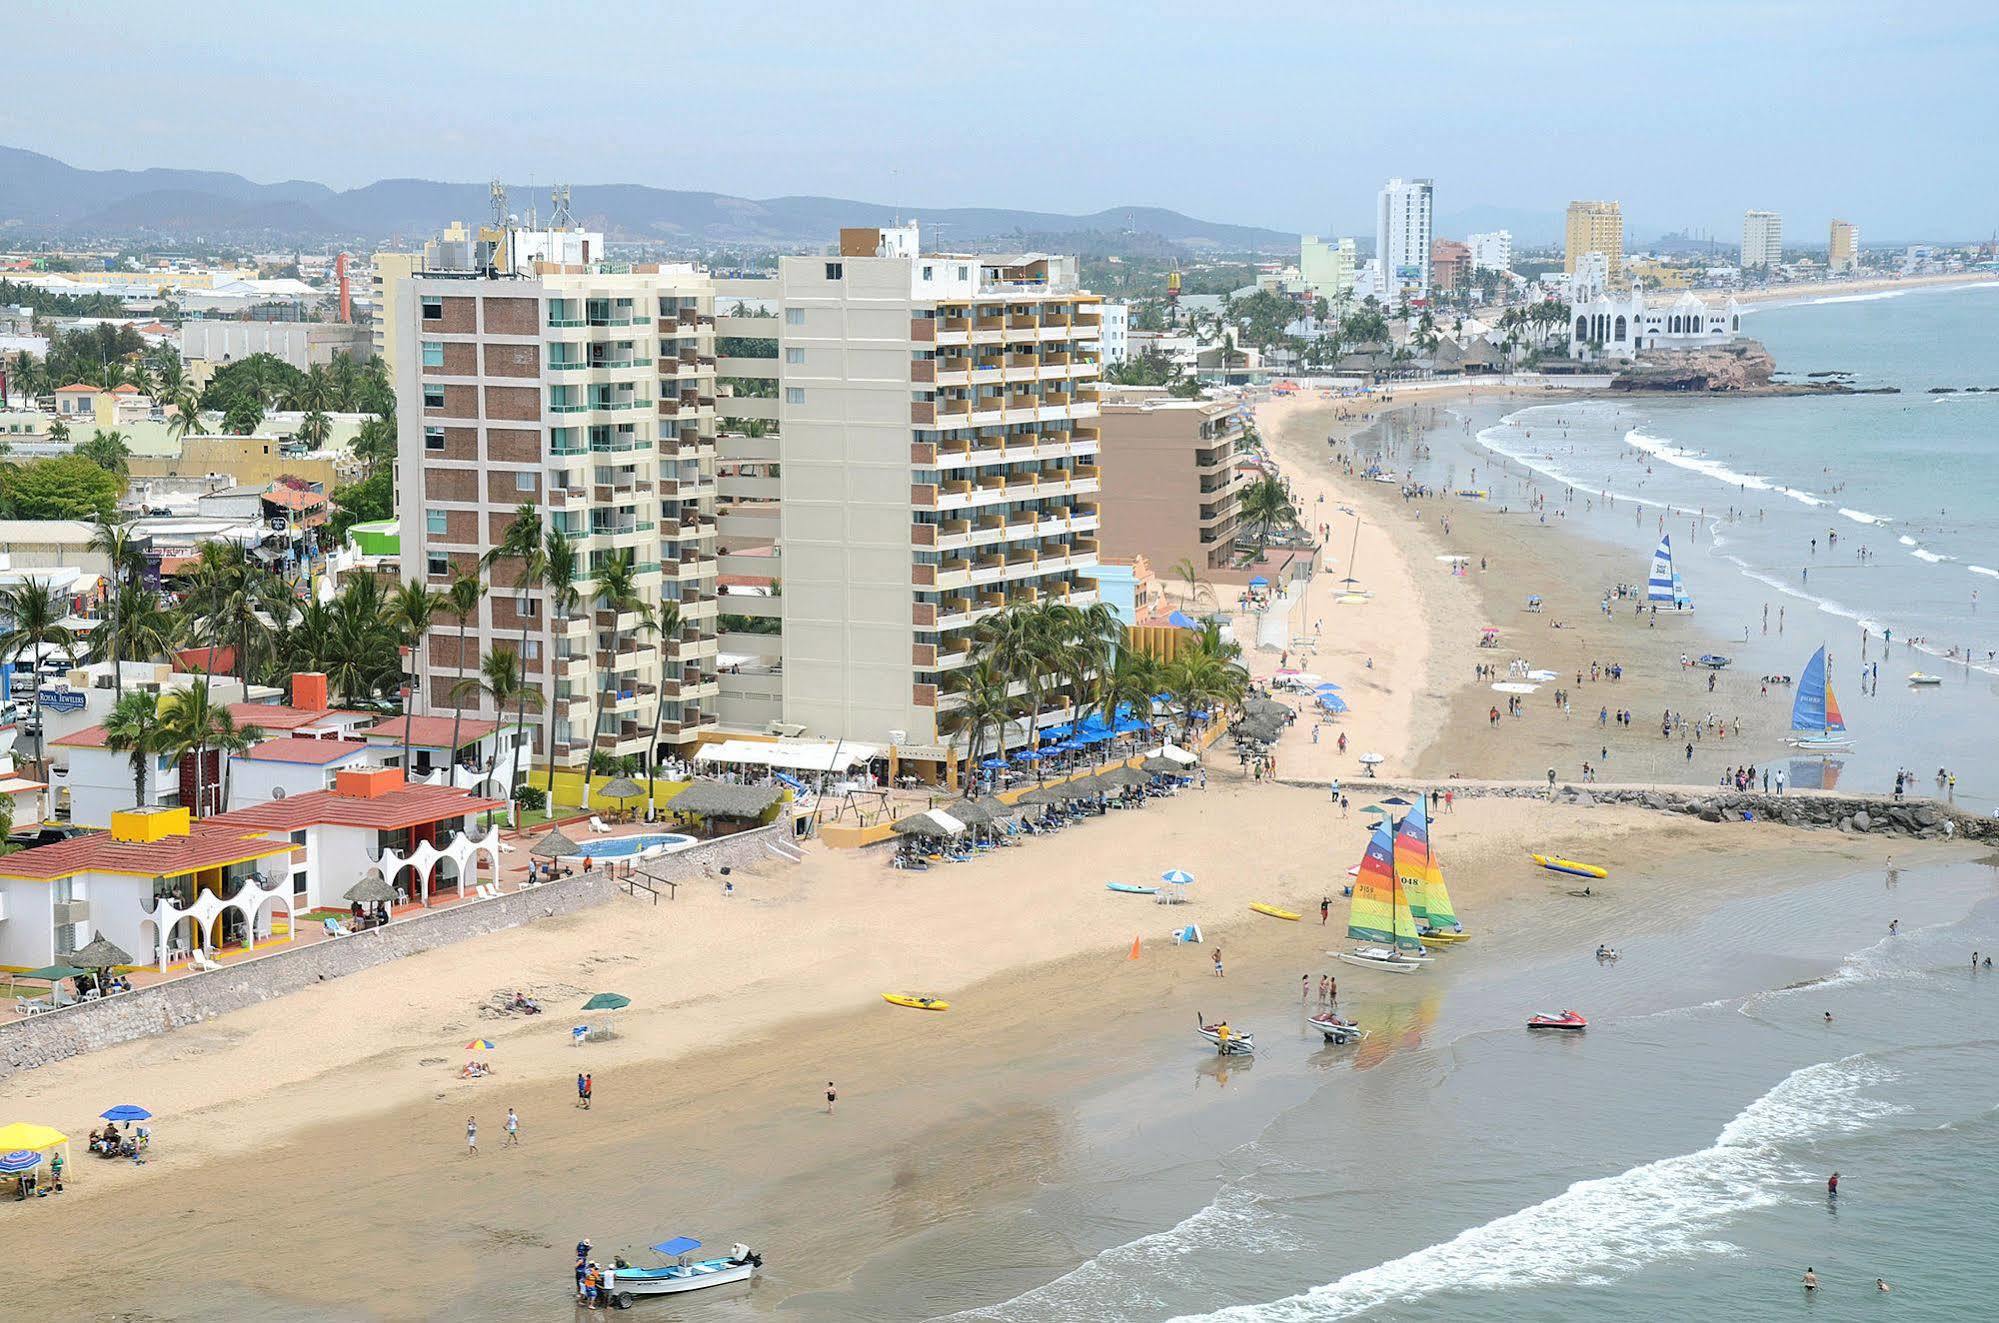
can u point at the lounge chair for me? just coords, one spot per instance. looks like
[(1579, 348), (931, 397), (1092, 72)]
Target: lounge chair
[(199, 959), (597, 825), (334, 928)]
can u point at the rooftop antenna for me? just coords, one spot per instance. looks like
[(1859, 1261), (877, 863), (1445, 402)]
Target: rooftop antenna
[(558, 201), (532, 216), (496, 192)]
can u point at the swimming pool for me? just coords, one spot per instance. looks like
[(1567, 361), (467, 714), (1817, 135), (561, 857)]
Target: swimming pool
[(621, 846)]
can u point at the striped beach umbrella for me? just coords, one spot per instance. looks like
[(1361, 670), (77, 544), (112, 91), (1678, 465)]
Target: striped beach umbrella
[(1177, 876), (20, 1160), (480, 1045)]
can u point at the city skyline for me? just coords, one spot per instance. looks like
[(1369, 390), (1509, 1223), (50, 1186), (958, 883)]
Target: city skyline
[(809, 107)]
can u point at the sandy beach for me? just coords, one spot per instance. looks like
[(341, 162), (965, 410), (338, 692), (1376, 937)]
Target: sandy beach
[(323, 1132)]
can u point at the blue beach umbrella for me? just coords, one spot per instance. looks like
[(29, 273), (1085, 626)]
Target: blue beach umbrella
[(1259, 582), (20, 1160), (1325, 687), (127, 1112), (1333, 703), (1181, 620), (1177, 876)]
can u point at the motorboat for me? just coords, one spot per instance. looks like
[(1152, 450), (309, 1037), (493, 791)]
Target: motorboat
[(624, 1283), (1337, 1030), (1924, 678), (1385, 958), (1228, 1042), (1714, 661), (1569, 1020)]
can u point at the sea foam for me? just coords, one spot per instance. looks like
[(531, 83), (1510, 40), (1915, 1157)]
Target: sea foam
[(1674, 1208)]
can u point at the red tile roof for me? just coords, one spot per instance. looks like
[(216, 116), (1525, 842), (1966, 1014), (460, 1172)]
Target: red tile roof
[(90, 737), (124, 388), (294, 498), (209, 845), (77, 388), (195, 661), (319, 808), (432, 732), (279, 716), (303, 749)]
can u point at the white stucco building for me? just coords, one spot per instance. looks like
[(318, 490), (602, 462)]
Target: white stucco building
[(1491, 251), (1762, 239), (1115, 346), (1617, 326), (1402, 234)]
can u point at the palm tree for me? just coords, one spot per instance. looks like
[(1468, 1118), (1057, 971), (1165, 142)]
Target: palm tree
[(365, 656), (410, 611), (618, 593), (229, 739), (108, 451), (982, 687), (666, 624), (498, 682), (374, 444), (522, 542), (113, 539), (137, 627), (186, 404), (561, 566), (187, 726), (1266, 504), (1019, 643), (1135, 677), (34, 612), (315, 429), (1197, 679), (1197, 587), (462, 601), (134, 728)]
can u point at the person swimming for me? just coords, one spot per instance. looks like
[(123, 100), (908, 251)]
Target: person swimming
[(1811, 1280)]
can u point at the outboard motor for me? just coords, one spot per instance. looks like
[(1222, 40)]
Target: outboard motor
[(740, 1254)]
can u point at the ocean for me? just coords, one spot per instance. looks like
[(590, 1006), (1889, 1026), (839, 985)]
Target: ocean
[(1796, 522), (1672, 1161)]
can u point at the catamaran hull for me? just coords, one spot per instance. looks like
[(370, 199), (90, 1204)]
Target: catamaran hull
[(1388, 962), (1812, 742)]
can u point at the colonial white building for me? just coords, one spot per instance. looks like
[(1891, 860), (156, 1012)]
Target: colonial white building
[(1605, 325)]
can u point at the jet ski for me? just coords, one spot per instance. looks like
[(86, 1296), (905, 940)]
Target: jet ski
[(1566, 1020)]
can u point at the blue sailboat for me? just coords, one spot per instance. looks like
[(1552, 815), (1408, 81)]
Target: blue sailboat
[(1816, 722), (1664, 585)]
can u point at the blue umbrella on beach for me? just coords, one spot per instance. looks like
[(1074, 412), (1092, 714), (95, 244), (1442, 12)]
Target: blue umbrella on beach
[(1259, 582), (127, 1112), (1325, 687), (1179, 877), (1333, 703), (20, 1160)]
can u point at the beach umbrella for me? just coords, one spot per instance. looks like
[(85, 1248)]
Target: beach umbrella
[(101, 954), (1396, 800), (931, 822), (607, 1001), (127, 1112), (1371, 759), (995, 807), (480, 1045), (971, 812), (1259, 582), (1158, 766), (1334, 704), (1325, 687), (1376, 808), (20, 1160), (370, 890), (1179, 877), (553, 846), (622, 787), (1123, 777), (1036, 797)]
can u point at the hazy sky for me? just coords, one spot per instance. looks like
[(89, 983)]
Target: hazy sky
[(1283, 115)]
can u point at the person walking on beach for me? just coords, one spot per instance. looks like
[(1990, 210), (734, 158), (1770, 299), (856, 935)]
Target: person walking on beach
[(582, 1090), (1305, 982), (1894, 927), (1218, 963), (471, 1137), (1325, 908), (589, 1089), (513, 1128), (832, 1096)]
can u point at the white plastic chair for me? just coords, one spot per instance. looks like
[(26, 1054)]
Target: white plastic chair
[(597, 825)]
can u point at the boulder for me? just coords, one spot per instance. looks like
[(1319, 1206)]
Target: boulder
[(1863, 821)]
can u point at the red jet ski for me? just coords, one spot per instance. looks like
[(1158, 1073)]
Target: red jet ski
[(1566, 1020)]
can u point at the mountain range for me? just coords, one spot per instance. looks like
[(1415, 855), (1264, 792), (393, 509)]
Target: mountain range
[(42, 196)]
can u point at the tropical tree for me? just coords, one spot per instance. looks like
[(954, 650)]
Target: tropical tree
[(617, 593), (666, 625), (561, 566), (134, 728), (1197, 587), (114, 540), (374, 444), (315, 429), (410, 612), (242, 416), (230, 739), (980, 690), (108, 451), (137, 626), (462, 601), (522, 544), (1023, 646), (1267, 505), (34, 611), (1199, 680), (499, 682), (187, 725)]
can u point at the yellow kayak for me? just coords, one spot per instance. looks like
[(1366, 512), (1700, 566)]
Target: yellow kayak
[(1274, 912), (1556, 864), (1437, 943), (914, 1002)]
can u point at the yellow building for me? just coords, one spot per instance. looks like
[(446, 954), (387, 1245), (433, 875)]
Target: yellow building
[(1595, 227), (389, 270), (1657, 275), (1843, 253)]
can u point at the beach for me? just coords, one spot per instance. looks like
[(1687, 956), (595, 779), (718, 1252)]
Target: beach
[(1060, 1144)]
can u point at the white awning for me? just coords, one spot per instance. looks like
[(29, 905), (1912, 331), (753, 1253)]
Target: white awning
[(1174, 752), (793, 755)]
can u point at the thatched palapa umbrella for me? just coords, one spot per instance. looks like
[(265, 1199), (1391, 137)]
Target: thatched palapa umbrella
[(372, 889), (553, 846), (100, 955), (1158, 766), (622, 788)]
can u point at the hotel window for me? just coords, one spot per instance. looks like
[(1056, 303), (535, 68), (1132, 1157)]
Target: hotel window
[(929, 273), (433, 308), (834, 270), (534, 649), (794, 316), (434, 522), (433, 353), (794, 395), (433, 397), (794, 355), (523, 481), (433, 438), (438, 565)]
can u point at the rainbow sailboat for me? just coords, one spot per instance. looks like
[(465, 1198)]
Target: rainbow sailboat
[(1815, 717), (1379, 914), (1422, 878)]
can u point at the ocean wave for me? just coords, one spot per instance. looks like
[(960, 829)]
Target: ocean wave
[(1872, 296), (1930, 556), (1862, 517), (1669, 1209), (1906, 540), (1694, 461), (1987, 571), (1126, 1279), (1541, 462)]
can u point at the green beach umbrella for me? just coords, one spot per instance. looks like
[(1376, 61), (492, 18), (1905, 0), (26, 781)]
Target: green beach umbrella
[(607, 1001)]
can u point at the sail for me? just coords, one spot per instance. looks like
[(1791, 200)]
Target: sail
[(1371, 917), (1437, 898), (1412, 860), (1681, 602), (1815, 710), (1659, 588), (1406, 939)]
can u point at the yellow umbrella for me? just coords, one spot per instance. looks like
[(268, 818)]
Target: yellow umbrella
[(26, 1134)]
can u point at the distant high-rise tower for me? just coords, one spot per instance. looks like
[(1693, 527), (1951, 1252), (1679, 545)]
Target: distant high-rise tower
[(1843, 253), (1762, 239), (1492, 251), (1595, 227), (1402, 238)]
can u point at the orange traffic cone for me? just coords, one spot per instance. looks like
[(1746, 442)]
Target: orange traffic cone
[(1134, 950)]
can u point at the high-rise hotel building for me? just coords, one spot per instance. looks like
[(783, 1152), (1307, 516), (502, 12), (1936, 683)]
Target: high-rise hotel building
[(1595, 227), (585, 392), (1843, 251), (927, 458)]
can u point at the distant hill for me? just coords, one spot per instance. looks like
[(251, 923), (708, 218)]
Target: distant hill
[(41, 195)]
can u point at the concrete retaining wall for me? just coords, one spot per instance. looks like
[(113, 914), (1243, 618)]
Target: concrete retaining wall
[(56, 1035)]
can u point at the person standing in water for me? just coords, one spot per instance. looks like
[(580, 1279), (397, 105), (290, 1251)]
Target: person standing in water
[(1811, 1280), (1832, 1186)]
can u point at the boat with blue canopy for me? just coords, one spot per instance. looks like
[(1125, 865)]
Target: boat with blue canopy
[(623, 1283)]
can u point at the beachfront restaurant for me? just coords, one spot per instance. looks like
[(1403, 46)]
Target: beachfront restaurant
[(210, 883), (427, 840)]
